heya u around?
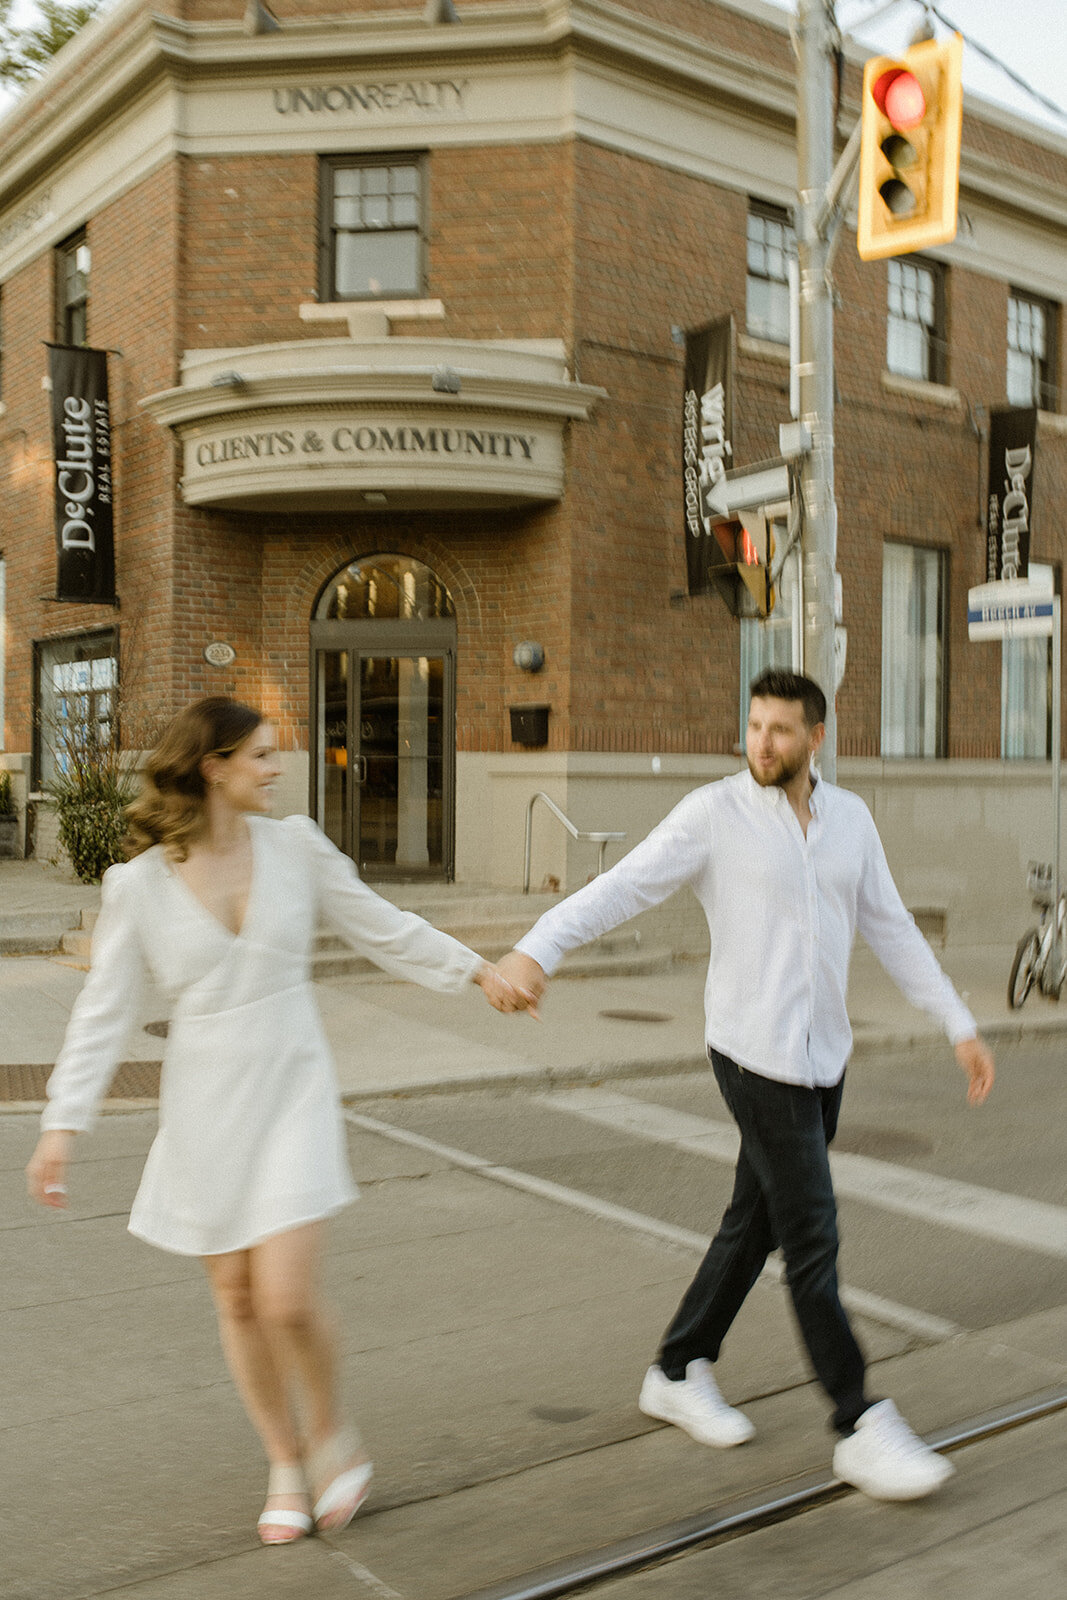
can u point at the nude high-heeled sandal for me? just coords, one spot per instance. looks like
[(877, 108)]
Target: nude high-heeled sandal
[(347, 1487), (288, 1526)]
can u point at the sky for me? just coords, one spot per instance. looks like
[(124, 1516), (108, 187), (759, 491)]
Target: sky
[(1030, 36)]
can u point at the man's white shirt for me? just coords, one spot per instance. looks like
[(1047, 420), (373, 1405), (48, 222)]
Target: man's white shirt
[(783, 910)]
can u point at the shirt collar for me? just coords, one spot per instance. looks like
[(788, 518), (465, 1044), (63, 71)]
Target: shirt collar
[(771, 796)]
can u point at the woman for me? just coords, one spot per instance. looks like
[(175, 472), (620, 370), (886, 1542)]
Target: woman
[(219, 906)]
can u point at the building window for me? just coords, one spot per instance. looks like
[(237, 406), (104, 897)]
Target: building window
[(1026, 687), (77, 680), (913, 664), (915, 344), (72, 290), (772, 245), (777, 640), (1031, 341), (372, 228)]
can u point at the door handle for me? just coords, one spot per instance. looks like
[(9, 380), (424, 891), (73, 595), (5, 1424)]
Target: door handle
[(361, 769)]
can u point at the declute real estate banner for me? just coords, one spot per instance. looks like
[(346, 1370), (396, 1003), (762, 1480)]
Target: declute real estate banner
[(81, 434)]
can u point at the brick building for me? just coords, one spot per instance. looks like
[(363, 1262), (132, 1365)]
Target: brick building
[(396, 315)]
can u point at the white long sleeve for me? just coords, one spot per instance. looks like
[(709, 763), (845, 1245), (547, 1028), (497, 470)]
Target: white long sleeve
[(889, 928), (783, 907), (399, 942), (103, 1014)]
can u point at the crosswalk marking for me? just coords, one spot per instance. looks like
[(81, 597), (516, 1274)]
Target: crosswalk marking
[(967, 1207), (875, 1307)]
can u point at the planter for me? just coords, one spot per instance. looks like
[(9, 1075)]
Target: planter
[(10, 837)]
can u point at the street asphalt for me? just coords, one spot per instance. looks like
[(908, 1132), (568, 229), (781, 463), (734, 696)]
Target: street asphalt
[(503, 1423)]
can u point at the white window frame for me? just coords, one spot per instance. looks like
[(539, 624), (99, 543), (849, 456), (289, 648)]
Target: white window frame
[(914, 585), (764, 255)]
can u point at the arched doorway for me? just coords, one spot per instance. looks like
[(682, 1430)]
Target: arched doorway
[(383, 649)]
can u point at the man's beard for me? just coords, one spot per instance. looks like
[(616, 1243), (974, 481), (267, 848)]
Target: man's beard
[(782, 774)]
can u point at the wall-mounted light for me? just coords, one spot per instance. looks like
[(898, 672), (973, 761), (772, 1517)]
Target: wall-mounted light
[(528, 656)]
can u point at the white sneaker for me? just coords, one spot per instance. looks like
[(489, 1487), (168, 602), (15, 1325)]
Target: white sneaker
[(695, 1404), (887, 1460)]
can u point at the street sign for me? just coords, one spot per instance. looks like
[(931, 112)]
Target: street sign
[(1009, 610), (764, 484)]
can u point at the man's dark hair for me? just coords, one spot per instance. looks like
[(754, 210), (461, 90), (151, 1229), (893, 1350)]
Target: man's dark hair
[(777, 684)]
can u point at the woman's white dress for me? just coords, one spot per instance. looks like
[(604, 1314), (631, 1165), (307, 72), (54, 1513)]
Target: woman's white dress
[(250, 1139)]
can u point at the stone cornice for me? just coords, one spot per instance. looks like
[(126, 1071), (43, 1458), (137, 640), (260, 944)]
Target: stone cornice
[(493, 377), (126, 53)]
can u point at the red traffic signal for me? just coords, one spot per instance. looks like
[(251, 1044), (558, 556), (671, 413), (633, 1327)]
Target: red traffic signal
[(910, 149), (739, 557)]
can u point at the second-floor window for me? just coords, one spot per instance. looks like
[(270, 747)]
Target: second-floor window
[(915, 342), (372, 228), (1031, 380), (771, 244), (72, 290)]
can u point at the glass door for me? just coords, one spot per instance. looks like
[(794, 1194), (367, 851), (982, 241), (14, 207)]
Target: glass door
[(400, 760), (384, 754)]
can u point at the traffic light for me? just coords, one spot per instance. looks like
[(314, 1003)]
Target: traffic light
[(910, 149), (740, 552)]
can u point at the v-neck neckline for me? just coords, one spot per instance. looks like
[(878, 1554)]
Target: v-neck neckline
[(171, 868)]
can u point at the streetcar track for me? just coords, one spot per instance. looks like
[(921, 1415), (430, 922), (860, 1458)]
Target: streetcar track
[(745, 1515)]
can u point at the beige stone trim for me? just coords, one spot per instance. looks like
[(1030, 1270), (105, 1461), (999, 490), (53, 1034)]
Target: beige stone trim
[(371, 318), (935, 394), (1052, 422), (765, 349)]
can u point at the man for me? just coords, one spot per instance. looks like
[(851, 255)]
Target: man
[(787, 868)]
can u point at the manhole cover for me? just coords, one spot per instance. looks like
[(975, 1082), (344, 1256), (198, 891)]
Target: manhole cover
[(158, 1030), (559, 1413), (892, 1144), (637, 1016)]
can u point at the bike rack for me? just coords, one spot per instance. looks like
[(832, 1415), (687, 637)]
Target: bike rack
[(603, 839)]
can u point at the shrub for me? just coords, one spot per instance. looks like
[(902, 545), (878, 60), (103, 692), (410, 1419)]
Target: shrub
[(7, 799), (90, 806)]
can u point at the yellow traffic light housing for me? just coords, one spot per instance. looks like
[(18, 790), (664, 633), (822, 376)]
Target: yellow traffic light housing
[(911, 126), (740, 554)]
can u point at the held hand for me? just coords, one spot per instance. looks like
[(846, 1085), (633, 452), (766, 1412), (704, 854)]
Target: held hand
[(501, 995), (46, 1174), (526, 975), (976, 1059)]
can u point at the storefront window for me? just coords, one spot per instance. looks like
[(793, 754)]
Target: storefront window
[(77, 680), (777, 640), (1026, 688), (913, 613)]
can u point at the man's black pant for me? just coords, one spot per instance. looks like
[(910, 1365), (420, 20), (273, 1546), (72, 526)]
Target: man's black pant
[(783, 1196)]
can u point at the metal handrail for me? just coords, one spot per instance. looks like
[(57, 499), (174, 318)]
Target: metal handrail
[(601, 838)]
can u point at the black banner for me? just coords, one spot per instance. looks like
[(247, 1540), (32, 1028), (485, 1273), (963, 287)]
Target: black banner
[(1009, 504), (81, 435), (707, 435)]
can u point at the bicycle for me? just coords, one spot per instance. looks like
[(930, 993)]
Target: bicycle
[(1033, 954)]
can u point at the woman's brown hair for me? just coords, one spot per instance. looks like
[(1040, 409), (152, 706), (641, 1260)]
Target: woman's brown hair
[(170, 808)]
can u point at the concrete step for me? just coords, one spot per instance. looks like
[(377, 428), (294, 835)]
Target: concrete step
[(591, 962), (34, 932)]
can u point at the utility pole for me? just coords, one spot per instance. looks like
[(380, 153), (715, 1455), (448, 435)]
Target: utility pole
[(816, 36)]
